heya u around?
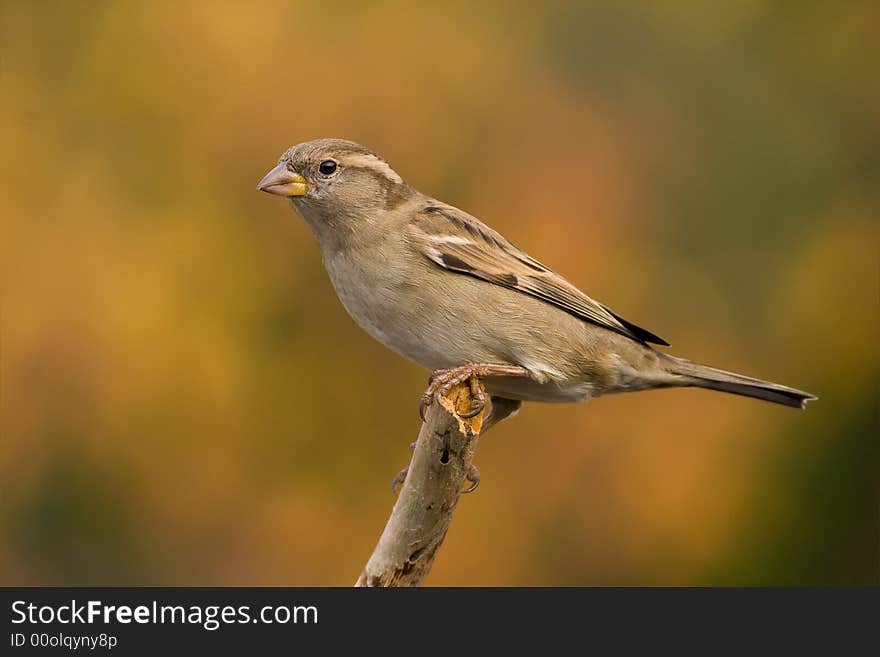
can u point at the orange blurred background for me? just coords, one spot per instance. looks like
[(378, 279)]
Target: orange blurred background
[(185, 402)]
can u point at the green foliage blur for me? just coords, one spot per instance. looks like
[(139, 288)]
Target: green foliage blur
[(185, 402)]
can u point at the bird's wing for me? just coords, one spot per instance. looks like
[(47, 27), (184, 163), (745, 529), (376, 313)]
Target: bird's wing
[(458, 242)]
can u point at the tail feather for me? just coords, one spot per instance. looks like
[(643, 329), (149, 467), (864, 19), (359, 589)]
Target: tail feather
[(703, 376)]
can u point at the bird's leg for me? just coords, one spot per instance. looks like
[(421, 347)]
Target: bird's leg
[(442, 381)]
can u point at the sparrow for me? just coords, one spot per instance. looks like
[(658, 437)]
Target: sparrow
[(444, 290)]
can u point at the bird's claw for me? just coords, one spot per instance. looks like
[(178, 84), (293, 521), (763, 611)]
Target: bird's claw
[(442, 381), (478, 398), (399, 478), (423, 404), (473, 476), (477, 407)]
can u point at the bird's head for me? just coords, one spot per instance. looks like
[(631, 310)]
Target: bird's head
[(335, 183)]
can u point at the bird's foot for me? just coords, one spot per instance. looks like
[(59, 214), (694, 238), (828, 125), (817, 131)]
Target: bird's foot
[(473, 476), (400, 477), (442, 381)]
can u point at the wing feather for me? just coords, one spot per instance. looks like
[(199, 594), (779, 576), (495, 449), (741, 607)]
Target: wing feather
[(459, 242)]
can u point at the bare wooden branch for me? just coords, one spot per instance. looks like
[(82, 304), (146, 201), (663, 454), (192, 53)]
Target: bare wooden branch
[(438, 472)]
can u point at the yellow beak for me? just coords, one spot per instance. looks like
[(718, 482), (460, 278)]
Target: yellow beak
[(283, 182)]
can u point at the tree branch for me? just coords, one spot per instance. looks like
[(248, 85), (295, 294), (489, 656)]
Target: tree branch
[(437, 473)]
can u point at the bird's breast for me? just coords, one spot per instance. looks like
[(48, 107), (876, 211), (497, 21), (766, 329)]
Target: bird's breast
[(378, 296)]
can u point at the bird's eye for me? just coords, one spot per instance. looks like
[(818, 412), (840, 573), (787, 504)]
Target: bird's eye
[(327, 167)]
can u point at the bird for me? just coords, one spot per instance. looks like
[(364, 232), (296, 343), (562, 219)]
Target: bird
[(443, 289)]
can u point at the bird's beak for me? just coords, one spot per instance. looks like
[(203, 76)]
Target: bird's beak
[(283, 182)]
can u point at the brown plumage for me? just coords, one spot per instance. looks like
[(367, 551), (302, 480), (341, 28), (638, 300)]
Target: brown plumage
[(443, 289)]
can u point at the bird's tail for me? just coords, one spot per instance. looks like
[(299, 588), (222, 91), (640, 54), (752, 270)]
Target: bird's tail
[(703, 376)]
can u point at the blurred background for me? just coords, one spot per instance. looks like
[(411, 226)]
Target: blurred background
[(185, 402)]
